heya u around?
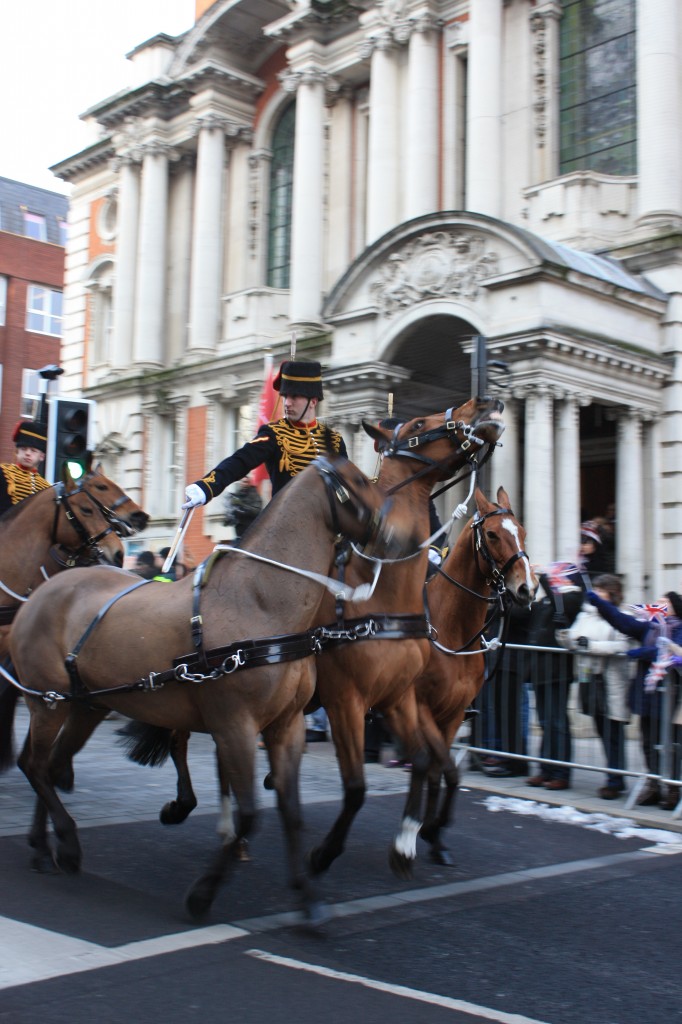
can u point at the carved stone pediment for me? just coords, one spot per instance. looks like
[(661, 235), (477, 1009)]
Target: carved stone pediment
[(438, 264)]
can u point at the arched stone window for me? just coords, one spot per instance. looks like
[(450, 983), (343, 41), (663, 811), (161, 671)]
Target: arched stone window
[(99, 285), (281, 190)]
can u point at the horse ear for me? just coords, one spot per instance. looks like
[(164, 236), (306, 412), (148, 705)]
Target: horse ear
[(374, 430), (503, 498), (88, 462), (482, 503), (67, 479)]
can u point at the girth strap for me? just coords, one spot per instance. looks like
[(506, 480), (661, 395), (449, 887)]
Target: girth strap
[(376, 627)]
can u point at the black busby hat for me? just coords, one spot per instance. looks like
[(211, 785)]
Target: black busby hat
[(296, 377), (30, 434)]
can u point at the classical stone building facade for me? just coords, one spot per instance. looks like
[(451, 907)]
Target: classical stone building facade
[(391, 180)]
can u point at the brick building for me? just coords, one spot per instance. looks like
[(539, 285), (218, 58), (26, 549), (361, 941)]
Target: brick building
[(390, 179), (32, 244)]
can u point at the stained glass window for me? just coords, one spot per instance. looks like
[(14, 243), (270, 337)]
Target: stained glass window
[(598, 86)]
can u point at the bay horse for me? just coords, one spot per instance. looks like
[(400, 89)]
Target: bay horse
[(486, 566), (168, 655), (378, 671), (73, 523)]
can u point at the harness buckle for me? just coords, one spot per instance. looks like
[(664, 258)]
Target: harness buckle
[(412, 442), (150, 682)]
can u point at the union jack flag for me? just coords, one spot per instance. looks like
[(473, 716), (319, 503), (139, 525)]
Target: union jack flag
[(648, 612), (664, 659), (562, 575)]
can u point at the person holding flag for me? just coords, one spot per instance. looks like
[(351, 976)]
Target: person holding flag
[(653, 626), (286, 446)]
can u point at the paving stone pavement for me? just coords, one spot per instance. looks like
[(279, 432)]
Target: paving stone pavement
[(110, 788)]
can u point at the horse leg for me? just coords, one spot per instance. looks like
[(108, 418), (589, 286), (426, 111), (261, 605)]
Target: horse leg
[(436, 820), (285, 747), (236, 765), (175, 811), (79, 726), (34, 763), (403, 722), (9, 696), (348, 729)]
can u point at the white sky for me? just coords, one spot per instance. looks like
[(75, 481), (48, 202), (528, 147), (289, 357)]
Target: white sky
[(57, 59)]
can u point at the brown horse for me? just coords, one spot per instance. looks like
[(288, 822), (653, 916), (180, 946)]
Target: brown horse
[(74, 523), (487, 562), (356, 671), (157, 652), (378, 672)]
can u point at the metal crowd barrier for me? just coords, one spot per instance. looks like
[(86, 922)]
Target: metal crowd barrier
[(536, 685)]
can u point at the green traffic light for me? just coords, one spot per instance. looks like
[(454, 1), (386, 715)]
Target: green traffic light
[(75, 469)]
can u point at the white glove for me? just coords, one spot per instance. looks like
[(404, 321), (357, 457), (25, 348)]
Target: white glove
[(435, 556), (193, 496)]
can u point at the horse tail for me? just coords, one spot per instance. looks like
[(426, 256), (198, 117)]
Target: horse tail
[(9, 695), (145, 744)]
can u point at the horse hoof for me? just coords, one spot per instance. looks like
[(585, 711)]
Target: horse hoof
[(198, 902), (268, 782), (42, 862), (240, 851), (315, 915), (400, 865), (317, 864), (174, 813), (442, 857)]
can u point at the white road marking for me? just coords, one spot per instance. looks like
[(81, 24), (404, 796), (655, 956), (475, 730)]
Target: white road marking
[(473, 1009), (31, 954)]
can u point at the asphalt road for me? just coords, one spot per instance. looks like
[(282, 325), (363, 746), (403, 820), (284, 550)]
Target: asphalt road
[(544, 917)]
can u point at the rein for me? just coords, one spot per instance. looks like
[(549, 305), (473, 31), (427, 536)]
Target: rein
[(65, 557), (493, 577)]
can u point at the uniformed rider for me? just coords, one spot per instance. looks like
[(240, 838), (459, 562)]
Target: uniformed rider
[(287, 446), (20, 479)]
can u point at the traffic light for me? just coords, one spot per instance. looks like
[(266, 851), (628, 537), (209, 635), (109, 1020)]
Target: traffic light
[(68, 424)]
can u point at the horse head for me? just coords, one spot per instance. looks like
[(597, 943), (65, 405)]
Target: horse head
[(361, 511), (99, 513), (499, 543), (452, 437)]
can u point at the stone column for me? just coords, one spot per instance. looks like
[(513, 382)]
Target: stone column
[(653, 548), (207, 235), (420, 155), (383, 157), (307, 214), (150, 298), (484, 108), (629, 505), (659, 105), (567, 494), (126, 264), (538, 476)]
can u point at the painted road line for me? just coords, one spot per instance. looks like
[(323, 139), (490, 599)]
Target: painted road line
[(31, 954), (446, 1002)]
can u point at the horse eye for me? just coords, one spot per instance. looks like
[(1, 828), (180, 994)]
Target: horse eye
[(101, 487), (86, 510), (419, 424)]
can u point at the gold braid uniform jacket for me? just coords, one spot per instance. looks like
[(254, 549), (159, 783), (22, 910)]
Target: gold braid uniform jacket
[(17, 483), (286, 451)]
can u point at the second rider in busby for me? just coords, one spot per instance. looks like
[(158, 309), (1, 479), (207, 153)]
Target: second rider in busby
[(20, 479), (287, 446)]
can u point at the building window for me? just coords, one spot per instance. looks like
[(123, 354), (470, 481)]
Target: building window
[(3, 300), (35, 226), (63, 230), (44, 310), (598, 86), (31, 393), (100, 289), (281, 191)]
